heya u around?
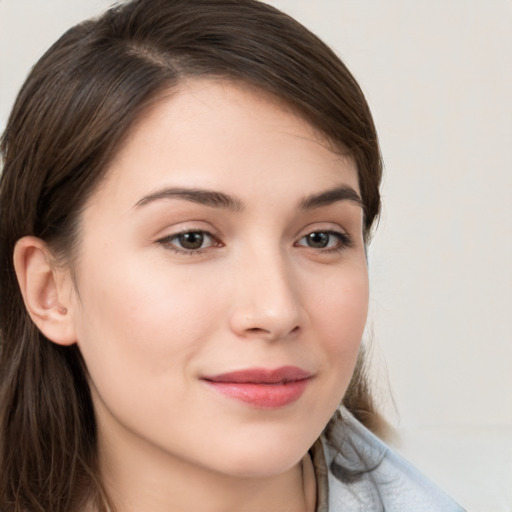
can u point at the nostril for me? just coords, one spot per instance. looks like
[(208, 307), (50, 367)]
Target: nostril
[(257, 330), (271, 332)]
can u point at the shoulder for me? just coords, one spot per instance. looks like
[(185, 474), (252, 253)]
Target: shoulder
[(357, 472)]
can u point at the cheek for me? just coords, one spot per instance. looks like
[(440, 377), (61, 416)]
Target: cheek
[(339, 312), (342, 299), (141, 324)]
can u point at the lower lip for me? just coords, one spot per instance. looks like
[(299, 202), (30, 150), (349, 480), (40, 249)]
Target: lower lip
[(264, 396)]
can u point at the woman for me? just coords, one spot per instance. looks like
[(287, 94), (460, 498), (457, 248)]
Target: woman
[(187, 194)]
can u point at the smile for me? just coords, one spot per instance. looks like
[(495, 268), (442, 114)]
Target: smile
[(262, 388)]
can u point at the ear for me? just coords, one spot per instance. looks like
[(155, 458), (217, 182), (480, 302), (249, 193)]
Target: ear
[(47, 290)]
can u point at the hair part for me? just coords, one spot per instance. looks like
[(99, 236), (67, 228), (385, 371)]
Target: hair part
[(69, 119)]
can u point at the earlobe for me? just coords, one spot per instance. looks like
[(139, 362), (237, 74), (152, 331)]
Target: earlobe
[(46, 290)]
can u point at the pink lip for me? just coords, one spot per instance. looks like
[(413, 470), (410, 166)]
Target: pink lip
[(263, 388)]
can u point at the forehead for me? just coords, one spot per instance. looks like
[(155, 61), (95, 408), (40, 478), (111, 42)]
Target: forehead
[(218, 134)]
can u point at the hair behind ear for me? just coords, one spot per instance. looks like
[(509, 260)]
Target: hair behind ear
[(360, 402), (46, 424)]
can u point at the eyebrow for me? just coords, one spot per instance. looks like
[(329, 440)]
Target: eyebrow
[(196, 195), (217, 199), (328, 197)]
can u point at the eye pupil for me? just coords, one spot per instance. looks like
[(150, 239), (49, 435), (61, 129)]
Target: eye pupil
[(318, 240), (191, 240)]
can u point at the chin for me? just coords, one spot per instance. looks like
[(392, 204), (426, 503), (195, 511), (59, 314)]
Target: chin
[(263, 458)]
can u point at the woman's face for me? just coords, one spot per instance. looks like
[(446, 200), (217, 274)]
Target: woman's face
[(221, 284)]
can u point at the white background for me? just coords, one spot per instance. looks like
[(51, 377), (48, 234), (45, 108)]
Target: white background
[(438, 77)]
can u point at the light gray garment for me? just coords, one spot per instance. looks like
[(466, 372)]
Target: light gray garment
[(357, 472)]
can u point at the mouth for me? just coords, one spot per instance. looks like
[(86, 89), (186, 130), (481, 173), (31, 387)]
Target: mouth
[(262, 388)]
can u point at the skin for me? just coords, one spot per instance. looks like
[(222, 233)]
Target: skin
[(151, 319)]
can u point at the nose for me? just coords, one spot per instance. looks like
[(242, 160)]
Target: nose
[(266, 303)]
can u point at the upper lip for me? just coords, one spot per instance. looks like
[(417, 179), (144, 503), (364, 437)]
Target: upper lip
[(262, 376)]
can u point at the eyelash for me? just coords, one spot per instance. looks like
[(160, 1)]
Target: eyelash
[(344, 241), (169, 243)]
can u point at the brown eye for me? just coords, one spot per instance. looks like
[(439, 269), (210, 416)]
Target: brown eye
[(191, 241)]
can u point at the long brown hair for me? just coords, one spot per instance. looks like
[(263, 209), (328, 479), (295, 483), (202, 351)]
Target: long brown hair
[(73, 111)]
